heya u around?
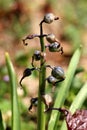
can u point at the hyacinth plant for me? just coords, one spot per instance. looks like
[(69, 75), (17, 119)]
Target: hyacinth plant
[(75, 120)]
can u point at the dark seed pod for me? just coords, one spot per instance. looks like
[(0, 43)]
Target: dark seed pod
[(34, 102), (58, 73), (77, 121), (37, 55), (49, 18), (52, 80), (51, 38), (27, 72), (54, 47)]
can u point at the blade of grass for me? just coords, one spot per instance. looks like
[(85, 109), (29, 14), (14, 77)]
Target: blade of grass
[(14, 98), (1, 122), (64, 89), (77, 103), (80, 98)]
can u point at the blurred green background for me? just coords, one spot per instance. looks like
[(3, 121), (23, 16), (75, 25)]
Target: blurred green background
[(19, 18)]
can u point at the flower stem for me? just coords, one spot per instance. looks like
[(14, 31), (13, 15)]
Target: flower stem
[(42, 73)]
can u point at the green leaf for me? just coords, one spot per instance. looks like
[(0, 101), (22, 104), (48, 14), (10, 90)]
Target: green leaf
[(1, 122), (14, 98), (64, 89)]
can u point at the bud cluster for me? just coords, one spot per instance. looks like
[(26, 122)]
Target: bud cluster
[(57, 73)]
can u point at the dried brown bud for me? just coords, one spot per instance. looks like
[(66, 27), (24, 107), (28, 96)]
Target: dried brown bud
[(47, 99), (29, 37)]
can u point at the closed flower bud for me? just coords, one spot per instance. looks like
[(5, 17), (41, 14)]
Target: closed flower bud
[(54, 47), (51, 38), (58, 73), (52, 80), (49, 18), (37, 55)]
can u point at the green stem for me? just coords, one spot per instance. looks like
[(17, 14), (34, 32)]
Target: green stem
[(41, 106), (14, 98)]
